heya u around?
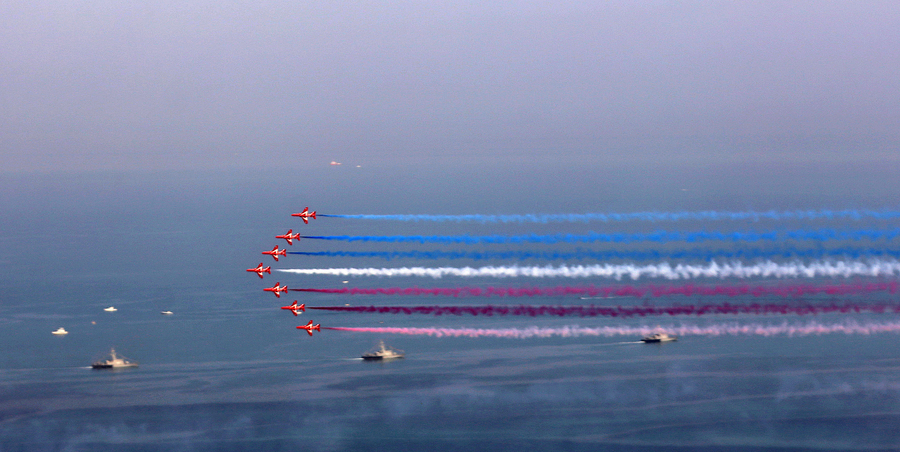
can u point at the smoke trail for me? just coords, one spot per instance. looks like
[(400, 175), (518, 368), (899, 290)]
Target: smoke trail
[(727, 329), (581, 254), (664, 270), (795, 290), (657, 237), (641, 216), (623, 312)]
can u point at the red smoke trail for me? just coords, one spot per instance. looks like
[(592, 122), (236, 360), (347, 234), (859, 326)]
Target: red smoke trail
[(620, 311), (733, 329), (794, 290)]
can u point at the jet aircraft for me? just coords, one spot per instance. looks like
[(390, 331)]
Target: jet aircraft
[(276, 289), (296, 309), (260, 270), (305, 215), (309, 327), (275, 252), (289, 237)]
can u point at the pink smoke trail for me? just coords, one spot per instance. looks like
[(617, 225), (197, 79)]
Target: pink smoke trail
[(620, 311), (794, 290), (728, 329)]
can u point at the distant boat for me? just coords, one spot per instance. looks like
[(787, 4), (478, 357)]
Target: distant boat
[(61, 331), (110, 309), (114, 362), (382, 352), (658, 337), (166, 313)]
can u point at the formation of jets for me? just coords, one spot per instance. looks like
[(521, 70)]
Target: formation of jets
[(278, 289)]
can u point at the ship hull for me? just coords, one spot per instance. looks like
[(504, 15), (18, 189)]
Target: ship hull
[(111, 366), (378, 358), (656, 341)]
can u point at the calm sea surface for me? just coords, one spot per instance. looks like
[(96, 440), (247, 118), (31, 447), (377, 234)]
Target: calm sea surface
[(229, 370)]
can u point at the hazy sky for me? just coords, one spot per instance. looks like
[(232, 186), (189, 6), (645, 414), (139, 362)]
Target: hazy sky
[(225, 84)]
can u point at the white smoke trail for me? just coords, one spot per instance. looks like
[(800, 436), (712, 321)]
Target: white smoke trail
[(728, 329), (767, 269)]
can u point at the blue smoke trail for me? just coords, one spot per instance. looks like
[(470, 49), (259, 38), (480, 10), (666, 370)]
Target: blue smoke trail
[(641, 216), (658, 237), (581, 254)]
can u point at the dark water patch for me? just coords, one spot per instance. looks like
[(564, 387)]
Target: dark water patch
[(378, 424)]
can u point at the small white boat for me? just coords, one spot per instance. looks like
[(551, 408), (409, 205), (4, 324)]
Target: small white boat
[(166, 313), (658, 337), (110, 309), (60, 331), (114, 362), (383, 352)]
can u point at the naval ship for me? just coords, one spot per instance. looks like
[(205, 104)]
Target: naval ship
[(658, 337), (114, 362), (383, 352)]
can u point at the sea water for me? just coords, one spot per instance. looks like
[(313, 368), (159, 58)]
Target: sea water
[(228, 370)]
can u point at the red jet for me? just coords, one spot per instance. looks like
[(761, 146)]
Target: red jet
[(289, 237), (275, 252), (309, 327), (295, 308), (305, 215), (260, 270), (276, 289)]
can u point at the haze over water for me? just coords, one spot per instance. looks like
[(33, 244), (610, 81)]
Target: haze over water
[(229, 370)]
